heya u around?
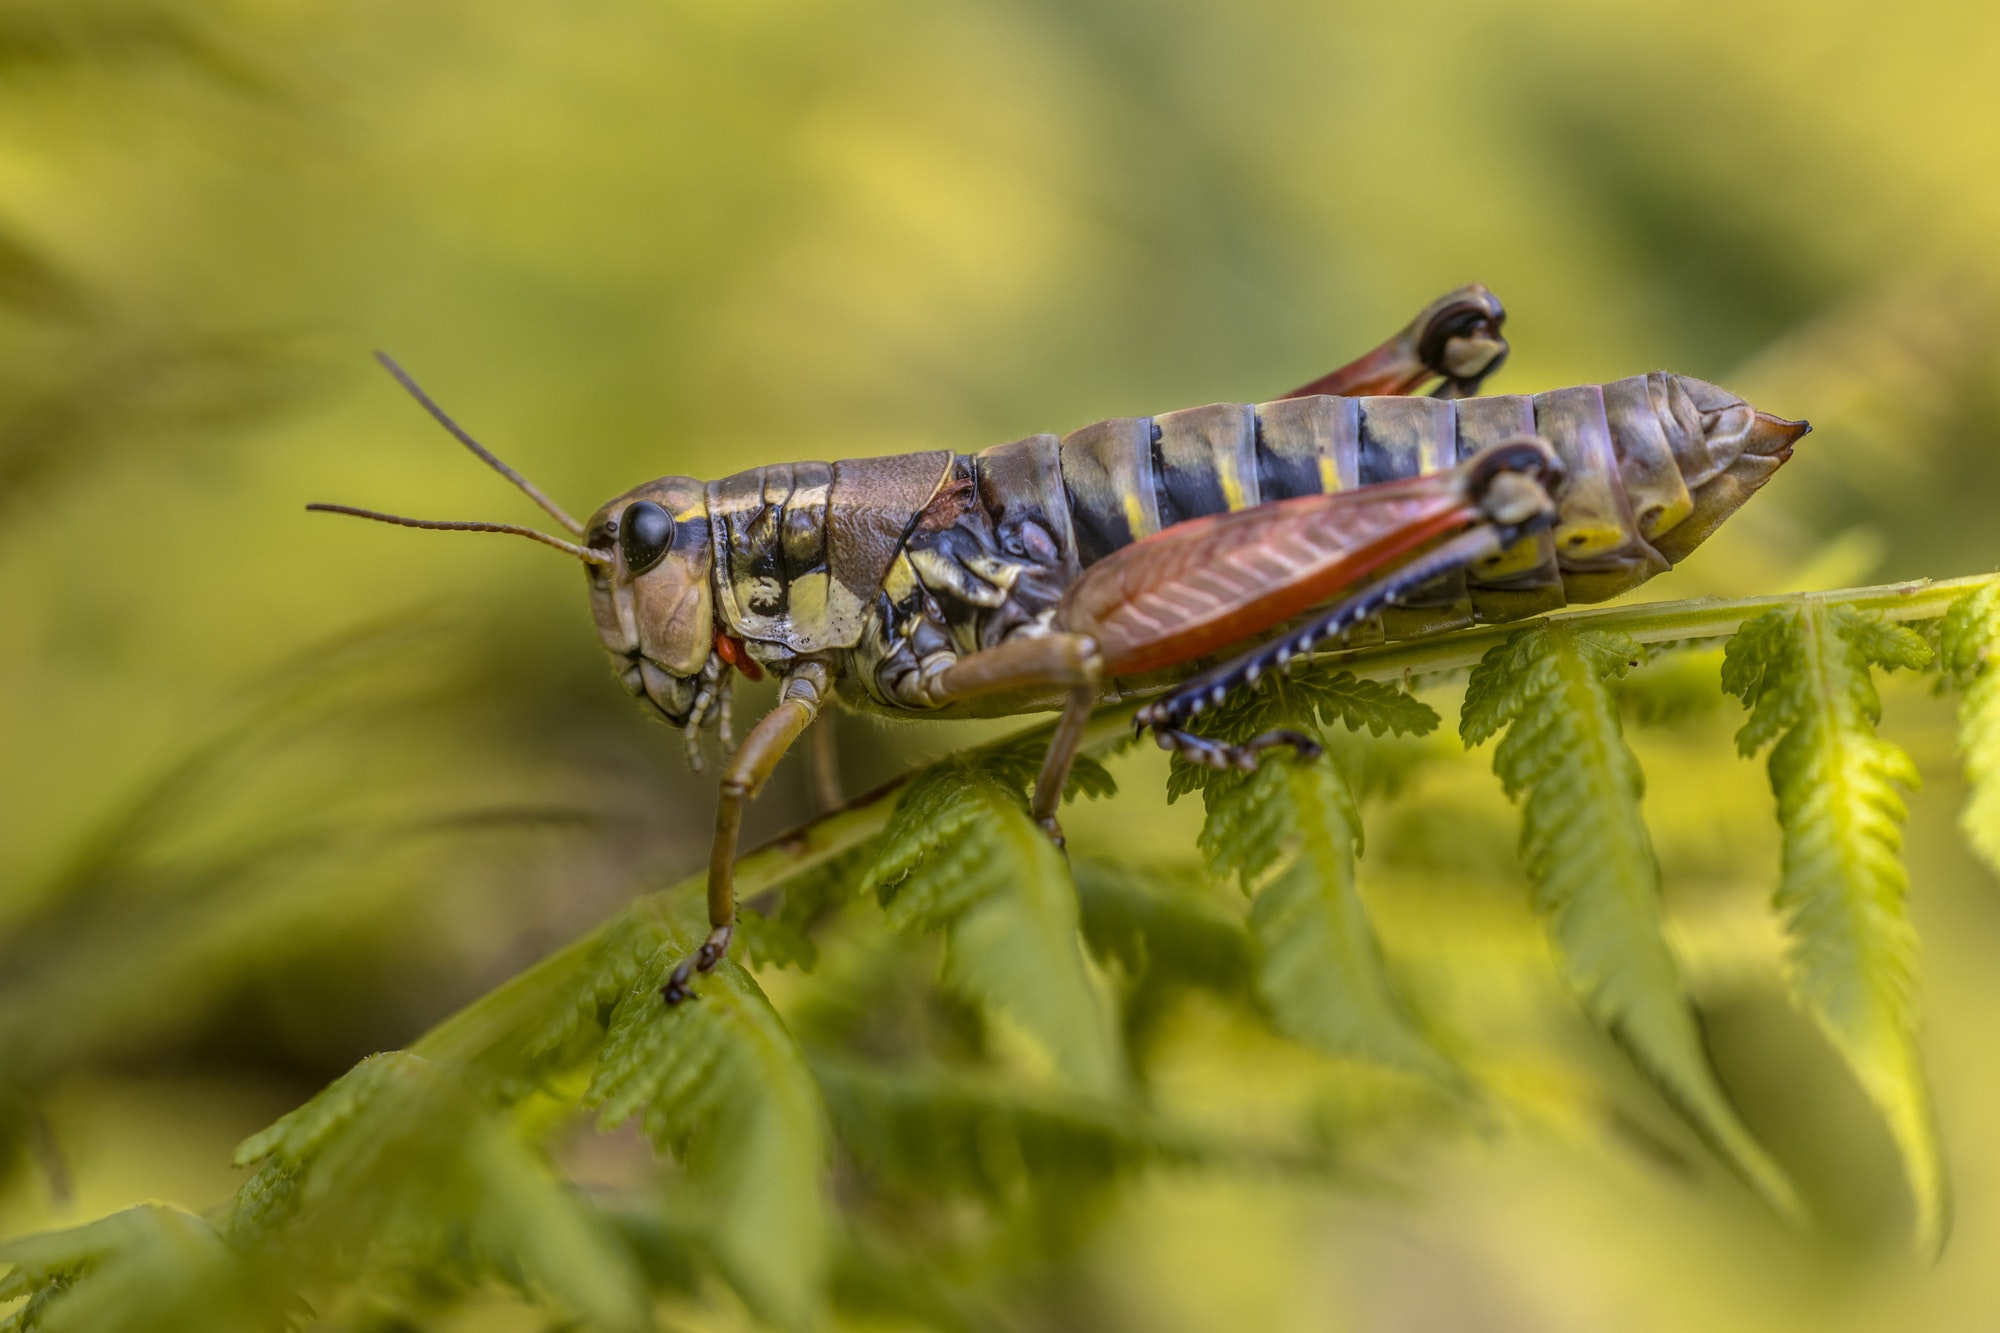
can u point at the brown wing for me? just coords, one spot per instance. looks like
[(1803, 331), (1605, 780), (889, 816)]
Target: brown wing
[(1210, 582)]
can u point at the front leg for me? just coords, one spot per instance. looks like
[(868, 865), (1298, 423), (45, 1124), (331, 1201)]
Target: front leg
[(1455, 338), (799, 700)]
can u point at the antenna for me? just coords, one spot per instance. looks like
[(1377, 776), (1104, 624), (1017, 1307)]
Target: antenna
[(528, 488), (582, 553)]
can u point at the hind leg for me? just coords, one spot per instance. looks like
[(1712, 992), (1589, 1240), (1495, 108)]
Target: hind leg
[(1169, 715), (1455, 338)]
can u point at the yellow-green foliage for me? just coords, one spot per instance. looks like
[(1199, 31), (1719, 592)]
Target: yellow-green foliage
[(1968, 640), (403, 1169), (726, 1087), (1289, 834), (418, 1175), (153, 1266), (963, 857), (280, 790), (1804, 673), (1586, 848)]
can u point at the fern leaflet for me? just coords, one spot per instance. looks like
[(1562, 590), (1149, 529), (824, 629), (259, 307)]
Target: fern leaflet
[(720, 1082), (1299, 701), (972, 1134), (403, 1163), (1289, 833), (780, 935), (1590, 858), (170, 1264), (1015, 762), (1803, 671), (1162, 935), (962, 855), (1968, 642)]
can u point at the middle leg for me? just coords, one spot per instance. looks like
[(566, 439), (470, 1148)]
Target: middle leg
[(1031, 663)]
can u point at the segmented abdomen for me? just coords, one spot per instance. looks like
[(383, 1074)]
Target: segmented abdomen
[(1126, 478)]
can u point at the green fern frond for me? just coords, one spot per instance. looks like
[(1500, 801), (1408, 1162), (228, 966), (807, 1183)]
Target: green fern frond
[(1671, 688), (962, 856), (1289, 833), (1341, 696), (666, 1235), (1803, 671), (171, 1265), (1014, 762), (575, 1014), (1309, 700), (1968, 645), (1158, 934), (780, 934), (1251, 826), (1590, 858), (414, 1170), (928, 866), (402, 1163), (1491, 688), (720, 1081), (935, 1131)]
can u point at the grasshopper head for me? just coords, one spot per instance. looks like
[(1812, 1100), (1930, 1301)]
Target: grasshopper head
[(652, 597), (647, 557)]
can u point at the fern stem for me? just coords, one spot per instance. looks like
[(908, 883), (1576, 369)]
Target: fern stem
[(1691, 620)]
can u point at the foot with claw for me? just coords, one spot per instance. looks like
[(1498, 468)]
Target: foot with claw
[(1054, 831), (1218, 754), (704, 959)]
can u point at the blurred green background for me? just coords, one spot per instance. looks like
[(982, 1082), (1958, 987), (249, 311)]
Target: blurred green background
[(283, 790)]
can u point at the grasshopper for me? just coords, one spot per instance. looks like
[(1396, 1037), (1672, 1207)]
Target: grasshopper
[(1043, 573)]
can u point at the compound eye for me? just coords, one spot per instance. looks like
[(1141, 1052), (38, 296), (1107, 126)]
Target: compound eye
[(644, 534)]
